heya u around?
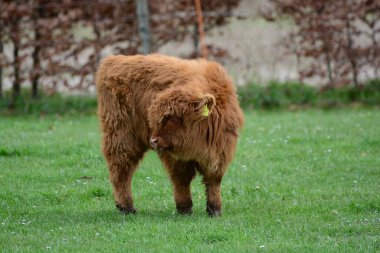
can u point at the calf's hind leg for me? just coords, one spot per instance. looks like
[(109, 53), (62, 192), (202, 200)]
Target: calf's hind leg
[(122, 163), (181, 174), (121, 174)]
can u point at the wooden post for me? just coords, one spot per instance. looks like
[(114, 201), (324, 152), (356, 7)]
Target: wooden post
[(198, 8), (142, 12)]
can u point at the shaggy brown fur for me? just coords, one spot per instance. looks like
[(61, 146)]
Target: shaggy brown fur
[(187, 110)]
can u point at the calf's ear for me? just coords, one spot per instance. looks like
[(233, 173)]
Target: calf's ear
[(206, 104)]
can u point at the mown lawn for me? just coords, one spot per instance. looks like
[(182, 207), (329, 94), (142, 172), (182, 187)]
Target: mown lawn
[(306, 181)]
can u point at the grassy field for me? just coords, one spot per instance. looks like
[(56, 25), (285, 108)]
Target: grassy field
[(306, 181)]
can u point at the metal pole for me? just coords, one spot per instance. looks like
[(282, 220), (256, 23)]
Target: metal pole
[(142, 12)]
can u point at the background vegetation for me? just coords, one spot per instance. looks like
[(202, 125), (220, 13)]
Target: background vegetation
[(56, 46), (289, 96), (294, 95)]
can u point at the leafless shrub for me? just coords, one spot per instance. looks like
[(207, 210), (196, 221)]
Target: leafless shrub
[(59, 43), (338, 41)]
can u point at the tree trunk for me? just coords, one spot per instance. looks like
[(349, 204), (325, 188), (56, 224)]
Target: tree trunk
[(16, 87), (16, 83), (349, 51), (38, 13), (36, 63), (329, 69), (97, 44), (375, 59), (1, 67)]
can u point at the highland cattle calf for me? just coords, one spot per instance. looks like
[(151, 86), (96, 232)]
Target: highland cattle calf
[(186, 110)]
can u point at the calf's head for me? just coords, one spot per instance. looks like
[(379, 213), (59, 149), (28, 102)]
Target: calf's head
[(178, 119), (162, 139)]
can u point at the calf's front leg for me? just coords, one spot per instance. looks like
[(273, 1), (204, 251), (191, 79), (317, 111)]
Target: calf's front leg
[(181, 174), (213, 195)]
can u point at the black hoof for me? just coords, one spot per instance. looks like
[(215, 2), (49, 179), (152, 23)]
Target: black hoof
[(185, 208), (213, 211), (126, 210)]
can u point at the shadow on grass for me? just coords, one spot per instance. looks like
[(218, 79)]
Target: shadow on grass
[(113, 216)]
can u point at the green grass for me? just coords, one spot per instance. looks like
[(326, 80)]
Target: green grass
[(292, 95), (306, 181), (47, 104)]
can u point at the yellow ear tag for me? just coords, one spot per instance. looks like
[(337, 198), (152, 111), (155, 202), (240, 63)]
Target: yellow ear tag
[(205, 111)]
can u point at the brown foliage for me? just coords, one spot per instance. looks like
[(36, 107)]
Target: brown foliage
[(339, 39), (65, 39)]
